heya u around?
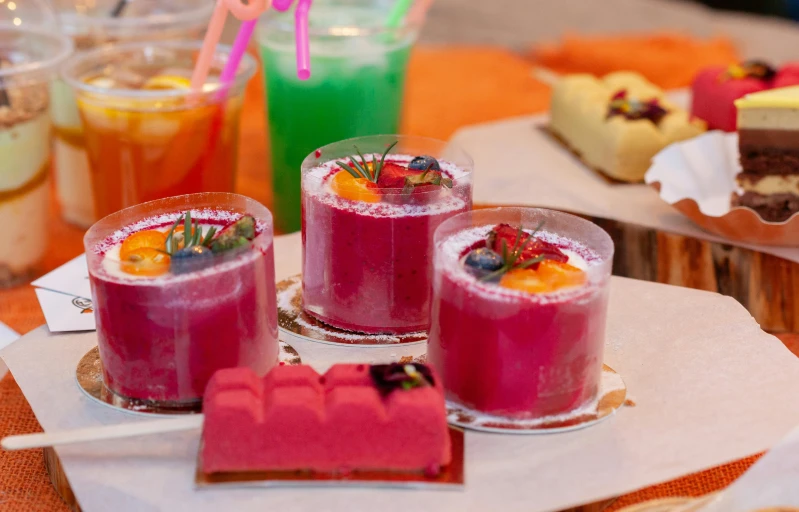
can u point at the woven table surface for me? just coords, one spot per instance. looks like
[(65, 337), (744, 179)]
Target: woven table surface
[(448, 87)]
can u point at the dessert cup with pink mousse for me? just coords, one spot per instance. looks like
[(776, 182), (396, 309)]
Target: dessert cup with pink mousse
[(173, 309), (370, 207), (518, 315)]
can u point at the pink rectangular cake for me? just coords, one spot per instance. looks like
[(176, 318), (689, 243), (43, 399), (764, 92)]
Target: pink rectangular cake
[(354, 417)]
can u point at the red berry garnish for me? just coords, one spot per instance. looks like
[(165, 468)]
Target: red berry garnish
[(532, 248)]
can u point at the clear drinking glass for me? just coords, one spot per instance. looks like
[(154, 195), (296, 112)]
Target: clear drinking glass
[(161, 337), (512, 353), (91, 25), (367, 259), (148, 136), (358, 69)]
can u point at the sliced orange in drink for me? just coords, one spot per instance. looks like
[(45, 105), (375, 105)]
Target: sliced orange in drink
[(149, 238), (146, 261), (550, 276), (349, 187), (167, 82)]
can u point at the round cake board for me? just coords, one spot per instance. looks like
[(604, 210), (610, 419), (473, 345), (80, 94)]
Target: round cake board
[(611, 396), (89, 377), (293, 320)]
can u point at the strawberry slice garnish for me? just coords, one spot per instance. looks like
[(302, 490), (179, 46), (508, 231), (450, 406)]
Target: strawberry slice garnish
[(506, 235)]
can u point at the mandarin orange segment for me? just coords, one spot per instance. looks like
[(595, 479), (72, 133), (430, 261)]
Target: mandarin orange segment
[(560, 275), (525, 280), (550, 276), (143, 239), (347, 186), (146, 261)]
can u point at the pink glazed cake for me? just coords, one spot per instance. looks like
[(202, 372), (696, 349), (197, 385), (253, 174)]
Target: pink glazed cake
[(520, 335), (354, 417)]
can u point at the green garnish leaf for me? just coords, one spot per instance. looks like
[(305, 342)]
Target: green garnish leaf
[(349, 169), (209, 236), (379, 167)]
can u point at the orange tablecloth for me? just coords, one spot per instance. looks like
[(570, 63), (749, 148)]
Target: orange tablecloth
[(447, 88)]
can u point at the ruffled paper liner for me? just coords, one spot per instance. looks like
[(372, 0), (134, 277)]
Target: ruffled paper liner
[(697, 178)]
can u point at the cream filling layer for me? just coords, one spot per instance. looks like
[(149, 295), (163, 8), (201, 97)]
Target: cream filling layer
[(24, 151), (772, 185), (768, 118), (24, 229)]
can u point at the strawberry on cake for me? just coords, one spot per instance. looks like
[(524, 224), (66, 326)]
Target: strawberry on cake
[(370, 207), (354, 417)]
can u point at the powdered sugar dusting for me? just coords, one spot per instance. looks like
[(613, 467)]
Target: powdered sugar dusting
[(315, 183), (453, 247)]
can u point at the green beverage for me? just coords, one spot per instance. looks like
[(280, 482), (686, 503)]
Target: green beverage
[(358, 72)]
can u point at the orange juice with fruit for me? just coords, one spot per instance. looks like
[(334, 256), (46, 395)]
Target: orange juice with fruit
[(147, 134)]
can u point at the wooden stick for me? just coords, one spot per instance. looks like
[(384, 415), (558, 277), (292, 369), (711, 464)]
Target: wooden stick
[(83, 435)]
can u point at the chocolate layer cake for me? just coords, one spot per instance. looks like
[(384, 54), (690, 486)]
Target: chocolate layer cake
[(768, 140)]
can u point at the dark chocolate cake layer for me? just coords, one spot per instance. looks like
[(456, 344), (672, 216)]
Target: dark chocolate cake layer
[(772, 207), (769, 160)]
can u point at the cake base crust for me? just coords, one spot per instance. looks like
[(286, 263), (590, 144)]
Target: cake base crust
[(772, 207)]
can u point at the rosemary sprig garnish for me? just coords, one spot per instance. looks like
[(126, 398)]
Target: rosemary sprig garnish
[(361, 170), (511, 256), (192, 235)]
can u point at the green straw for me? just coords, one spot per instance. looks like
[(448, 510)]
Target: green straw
[(398, 13)]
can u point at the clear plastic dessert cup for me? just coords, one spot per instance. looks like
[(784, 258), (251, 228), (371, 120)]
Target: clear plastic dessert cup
[(29, 57), (504, 351), (91, 25), (166, 324), (148, 136), (367, 249)]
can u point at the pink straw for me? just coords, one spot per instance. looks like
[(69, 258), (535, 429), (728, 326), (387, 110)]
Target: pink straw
[(300, 34), (242, 11), (236, 53)]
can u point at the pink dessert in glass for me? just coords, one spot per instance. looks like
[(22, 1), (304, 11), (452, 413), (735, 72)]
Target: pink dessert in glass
[(518, 315), (370, 207), (173, 309)]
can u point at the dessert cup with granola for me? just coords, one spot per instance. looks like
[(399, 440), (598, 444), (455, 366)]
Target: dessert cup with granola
[(28, 61), (369, 209)]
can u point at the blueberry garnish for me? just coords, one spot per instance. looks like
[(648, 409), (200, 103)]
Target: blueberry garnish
[(482, 261), (424, 163), (191, 258)]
